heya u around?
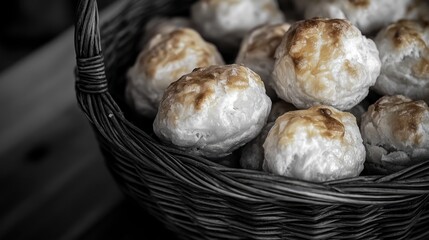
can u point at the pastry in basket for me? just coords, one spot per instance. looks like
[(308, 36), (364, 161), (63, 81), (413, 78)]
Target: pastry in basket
[(404, 54), (395, 131), (367, 15), (213, 111), (325, 62), (164, 60), (258, 48), (227, 21), (164, 25), (318, 144), (252, 154)]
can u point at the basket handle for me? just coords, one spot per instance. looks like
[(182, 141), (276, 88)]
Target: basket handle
[(91, 76)]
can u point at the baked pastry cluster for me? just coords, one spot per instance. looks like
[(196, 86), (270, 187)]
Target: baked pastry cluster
[(299, 98)]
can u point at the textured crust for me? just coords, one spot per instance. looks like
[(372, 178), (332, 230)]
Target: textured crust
[(318, 144), (165, 59), (263, 41), (303, 40), (325, 123), (226, 22), (325, 61), (199, 87), (173, 47), (213, 111), (395, 131), (367, 15), (404, 52), (258, 49)]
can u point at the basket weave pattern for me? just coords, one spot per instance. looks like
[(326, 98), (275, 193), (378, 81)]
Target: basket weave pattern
[(199, 199)]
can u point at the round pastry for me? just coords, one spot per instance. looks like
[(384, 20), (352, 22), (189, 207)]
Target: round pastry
[(213, 111), (395, 131), (367, 15), (318, 144), (404, 54), (162, 25), (164, 60), (257, 51), (325, 62), (227, 21)]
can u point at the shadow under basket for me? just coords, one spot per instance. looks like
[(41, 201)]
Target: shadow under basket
[(198, 199)]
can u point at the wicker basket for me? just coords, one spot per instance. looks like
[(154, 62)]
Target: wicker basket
[(198, 199)]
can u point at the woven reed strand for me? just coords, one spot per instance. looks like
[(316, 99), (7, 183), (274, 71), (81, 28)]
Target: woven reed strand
[(199, 199)]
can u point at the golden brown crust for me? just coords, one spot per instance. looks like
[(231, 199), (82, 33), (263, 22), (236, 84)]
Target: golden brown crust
[(353, 72), (421, 69), (408, 32), (174, 47), (405, 32), (198, 87), (408, 116), (326, 122), (360, 3), (303, 41), (267, 40)]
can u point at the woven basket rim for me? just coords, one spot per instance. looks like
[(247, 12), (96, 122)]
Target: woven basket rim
[(204, 175)]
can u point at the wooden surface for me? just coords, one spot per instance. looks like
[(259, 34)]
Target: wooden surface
[(53, 181)]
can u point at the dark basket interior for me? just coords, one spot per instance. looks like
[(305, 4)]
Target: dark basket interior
[(199, 199)]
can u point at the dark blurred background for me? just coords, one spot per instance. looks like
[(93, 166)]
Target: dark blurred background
[(47, 193), (26, 25)]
